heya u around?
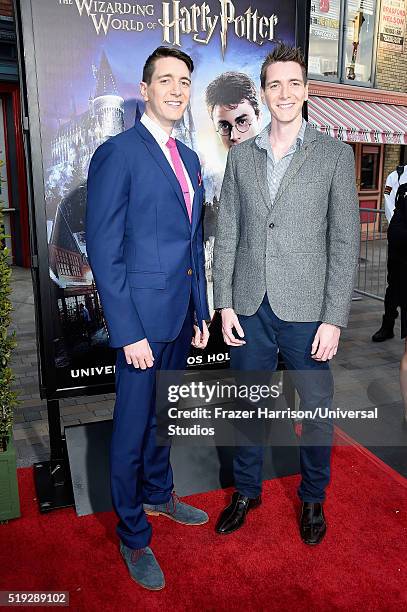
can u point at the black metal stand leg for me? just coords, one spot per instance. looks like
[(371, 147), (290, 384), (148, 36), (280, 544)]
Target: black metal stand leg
[(52, 478)]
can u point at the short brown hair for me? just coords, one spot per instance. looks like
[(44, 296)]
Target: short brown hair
[(164, 52), (230, 88), (283, 53)]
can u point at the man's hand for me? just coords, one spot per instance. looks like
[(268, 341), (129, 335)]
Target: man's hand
[(230, 321), (326, 342), (200, 339), (139, 354)]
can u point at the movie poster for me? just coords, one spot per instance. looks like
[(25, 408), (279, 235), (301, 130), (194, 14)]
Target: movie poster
[(88, 61)]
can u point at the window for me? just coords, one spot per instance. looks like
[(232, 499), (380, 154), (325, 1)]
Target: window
[(359, 40), (369, 172), (342, 40), (324, 37)]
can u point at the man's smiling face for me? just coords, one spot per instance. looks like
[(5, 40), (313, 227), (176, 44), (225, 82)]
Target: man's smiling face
[(168, 94), (231, 119), (285, 91)]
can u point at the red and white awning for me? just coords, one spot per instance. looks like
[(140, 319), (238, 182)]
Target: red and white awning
[(358, 121)]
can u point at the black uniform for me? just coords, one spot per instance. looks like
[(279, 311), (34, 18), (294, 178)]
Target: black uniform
[(397, 261)]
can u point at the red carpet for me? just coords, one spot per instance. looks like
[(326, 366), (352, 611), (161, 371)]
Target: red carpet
[(361, 564)]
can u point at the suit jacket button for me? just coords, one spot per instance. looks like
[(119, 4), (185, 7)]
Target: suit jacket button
[(271, 225), (189, 271)]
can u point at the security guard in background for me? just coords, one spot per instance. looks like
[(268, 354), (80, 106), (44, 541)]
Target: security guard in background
[(391, 298)]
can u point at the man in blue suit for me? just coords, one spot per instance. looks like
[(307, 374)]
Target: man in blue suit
[(145, 247)]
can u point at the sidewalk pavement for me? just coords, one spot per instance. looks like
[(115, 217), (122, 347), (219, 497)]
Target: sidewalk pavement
[(30, 421)]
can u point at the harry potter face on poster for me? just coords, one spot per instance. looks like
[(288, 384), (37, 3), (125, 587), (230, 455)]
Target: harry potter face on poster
[(233, 105)]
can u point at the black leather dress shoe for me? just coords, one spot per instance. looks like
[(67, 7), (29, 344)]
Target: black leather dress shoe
[(385, 332), (233, 517), (312, 524)]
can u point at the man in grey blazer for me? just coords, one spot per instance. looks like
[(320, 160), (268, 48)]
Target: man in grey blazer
[(286, 249)]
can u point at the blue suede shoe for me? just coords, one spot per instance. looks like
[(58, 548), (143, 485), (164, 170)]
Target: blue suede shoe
[(178, 511), (143, 567)]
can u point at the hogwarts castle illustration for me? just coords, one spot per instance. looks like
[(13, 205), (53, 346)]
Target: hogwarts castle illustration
[(77, 139), (72, 147)]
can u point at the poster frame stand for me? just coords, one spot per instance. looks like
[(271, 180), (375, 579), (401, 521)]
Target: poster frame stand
[(52, 478)]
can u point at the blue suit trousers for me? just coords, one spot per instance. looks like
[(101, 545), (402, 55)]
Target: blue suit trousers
[(140, 471)]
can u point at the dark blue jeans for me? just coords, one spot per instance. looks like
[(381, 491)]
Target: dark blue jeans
[(265, 335)]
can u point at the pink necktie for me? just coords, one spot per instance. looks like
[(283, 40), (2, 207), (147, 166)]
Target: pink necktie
[(179, 171)]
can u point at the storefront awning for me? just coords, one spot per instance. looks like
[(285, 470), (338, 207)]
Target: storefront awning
[(359, 121)]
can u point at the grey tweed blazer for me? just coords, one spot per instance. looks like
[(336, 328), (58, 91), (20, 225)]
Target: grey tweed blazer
[(303, 250)]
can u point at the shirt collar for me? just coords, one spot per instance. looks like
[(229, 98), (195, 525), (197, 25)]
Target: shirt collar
[(155, 130), (263, 140)]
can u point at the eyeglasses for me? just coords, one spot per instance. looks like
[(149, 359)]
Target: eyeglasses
[(225, 128)]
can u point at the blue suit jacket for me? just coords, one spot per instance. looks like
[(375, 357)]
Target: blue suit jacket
[(140, 243)]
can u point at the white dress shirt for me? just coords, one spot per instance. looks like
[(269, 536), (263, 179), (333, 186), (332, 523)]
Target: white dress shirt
[(162, 137), (392, 184)]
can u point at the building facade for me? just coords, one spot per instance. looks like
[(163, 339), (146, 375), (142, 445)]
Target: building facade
[(358, 84)]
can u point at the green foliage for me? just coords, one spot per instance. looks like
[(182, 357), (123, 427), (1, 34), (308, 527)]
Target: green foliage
[(8, 398)]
